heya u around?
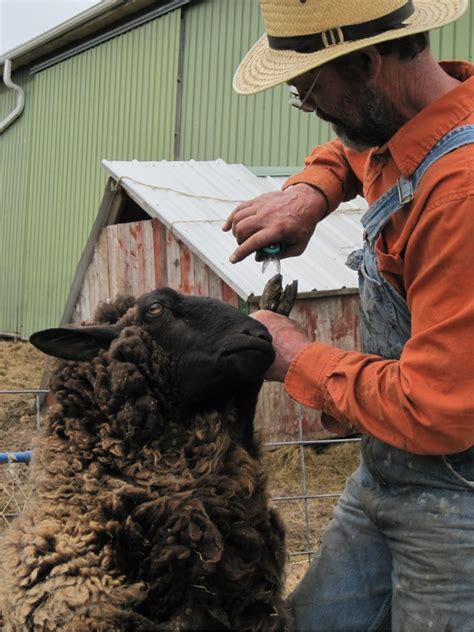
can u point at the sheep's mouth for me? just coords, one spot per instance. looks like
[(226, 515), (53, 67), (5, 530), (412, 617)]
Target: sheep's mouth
[(242, 343)]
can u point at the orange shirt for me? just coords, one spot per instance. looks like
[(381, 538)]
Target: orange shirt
[(423, 402)]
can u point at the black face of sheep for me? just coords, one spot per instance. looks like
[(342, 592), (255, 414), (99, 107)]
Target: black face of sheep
[(215, 353)]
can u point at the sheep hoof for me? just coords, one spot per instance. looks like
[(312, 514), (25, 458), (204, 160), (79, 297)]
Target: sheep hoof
[(275, 299)]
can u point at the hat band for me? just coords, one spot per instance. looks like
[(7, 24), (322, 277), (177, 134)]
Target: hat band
[(319, 41)]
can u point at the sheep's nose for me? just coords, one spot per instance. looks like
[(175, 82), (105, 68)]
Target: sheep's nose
[(258, 331)]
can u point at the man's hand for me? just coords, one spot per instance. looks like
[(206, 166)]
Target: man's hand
[(287, 217), (288, 340)]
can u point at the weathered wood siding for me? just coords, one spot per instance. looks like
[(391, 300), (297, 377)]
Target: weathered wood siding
[(140, 256)]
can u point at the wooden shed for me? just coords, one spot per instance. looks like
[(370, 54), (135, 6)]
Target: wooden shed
[(159, 224)]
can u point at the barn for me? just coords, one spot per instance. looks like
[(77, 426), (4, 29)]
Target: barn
[(160, 224)]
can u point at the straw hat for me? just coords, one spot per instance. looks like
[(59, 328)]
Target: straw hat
[(303, 34)]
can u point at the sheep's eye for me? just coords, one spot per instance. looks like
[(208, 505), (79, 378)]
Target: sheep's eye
[(154, 309)]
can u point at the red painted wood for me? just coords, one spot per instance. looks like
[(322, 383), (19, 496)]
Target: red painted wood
[(201, 277), (186, 270), (148, 258), (173, 261), (159, 254), (229, 296)]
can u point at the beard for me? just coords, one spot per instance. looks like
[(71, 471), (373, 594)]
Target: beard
[(379, 120)]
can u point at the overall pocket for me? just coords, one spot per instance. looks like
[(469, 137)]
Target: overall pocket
[(460, 467), (380, 331)]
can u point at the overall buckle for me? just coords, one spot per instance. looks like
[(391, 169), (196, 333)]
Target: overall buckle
[(405, 190)]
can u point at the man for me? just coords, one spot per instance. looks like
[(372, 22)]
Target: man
[(399, 554)]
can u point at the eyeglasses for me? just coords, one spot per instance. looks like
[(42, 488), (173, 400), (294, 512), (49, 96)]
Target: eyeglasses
[(297, 102)]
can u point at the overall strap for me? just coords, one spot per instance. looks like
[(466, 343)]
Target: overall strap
[(403, 192)]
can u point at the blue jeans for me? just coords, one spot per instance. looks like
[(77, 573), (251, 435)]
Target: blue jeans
[(399, 554)]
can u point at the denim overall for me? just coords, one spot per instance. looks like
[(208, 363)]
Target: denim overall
[(399, 554)]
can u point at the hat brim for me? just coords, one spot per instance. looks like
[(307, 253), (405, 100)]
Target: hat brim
[(264, 67)]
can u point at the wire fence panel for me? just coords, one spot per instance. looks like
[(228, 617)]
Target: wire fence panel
[(15, 478), (306, 513), (37, 392), (15, 490)]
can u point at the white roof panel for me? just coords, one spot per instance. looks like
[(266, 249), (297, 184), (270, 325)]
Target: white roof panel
[(193, 199)]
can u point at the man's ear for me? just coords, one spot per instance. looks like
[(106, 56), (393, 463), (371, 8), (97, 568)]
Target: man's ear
[(361, 65), (75, 343), (370, 61)]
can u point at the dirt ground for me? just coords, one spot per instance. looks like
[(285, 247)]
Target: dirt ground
[(21, 367)]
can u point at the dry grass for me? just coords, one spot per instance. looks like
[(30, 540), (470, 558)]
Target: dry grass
[(21, 367), (326, 471)]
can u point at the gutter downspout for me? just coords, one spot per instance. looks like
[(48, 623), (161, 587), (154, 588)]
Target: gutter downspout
[(20, 97)]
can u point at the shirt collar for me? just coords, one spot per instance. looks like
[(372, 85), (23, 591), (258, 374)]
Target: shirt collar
[(421, 133)]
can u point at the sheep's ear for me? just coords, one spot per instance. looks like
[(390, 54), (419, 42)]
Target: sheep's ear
[(75, 343)]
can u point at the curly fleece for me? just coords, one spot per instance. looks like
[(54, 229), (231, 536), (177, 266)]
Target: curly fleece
[(141, 519)]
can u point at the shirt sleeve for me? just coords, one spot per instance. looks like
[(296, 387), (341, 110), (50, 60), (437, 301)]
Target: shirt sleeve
[(332, 168), (424, 402)]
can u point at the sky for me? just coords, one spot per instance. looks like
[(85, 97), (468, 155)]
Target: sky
[(21, 20)]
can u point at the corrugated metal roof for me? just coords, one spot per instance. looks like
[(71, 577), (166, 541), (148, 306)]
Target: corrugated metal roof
[(193, 199)]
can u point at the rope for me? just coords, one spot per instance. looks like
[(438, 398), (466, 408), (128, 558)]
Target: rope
[(195, 221), (185, 193)]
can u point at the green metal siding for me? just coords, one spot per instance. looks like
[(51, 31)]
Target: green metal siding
[(13, 202), (115, 101), (256, 130), (261, 129)]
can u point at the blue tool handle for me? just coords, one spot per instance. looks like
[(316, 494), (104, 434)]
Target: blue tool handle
[(272, 250)]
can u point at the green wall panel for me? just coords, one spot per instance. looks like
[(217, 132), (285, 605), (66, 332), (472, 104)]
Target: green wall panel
[(14, 187), (261, 129), (255, 130), (115, 101)]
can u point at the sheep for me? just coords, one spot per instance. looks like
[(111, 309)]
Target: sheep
[(150, 508)]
